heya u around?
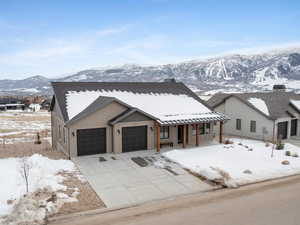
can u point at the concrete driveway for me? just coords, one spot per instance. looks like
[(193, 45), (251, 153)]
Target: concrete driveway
[(119, 181)]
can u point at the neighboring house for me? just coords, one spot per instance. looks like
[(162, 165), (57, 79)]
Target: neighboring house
[(260, 115), (34, 107), (93, 117), (11, 103)]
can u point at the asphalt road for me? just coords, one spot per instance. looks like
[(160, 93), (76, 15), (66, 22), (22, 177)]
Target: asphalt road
[(269, 203)]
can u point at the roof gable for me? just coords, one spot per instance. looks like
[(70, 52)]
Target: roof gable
[(131, 115)]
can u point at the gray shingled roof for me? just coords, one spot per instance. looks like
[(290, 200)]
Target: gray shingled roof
[(61, 88), (278, 102)]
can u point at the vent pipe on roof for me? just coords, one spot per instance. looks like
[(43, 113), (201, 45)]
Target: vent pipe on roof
[(279, 87), (170, 80)]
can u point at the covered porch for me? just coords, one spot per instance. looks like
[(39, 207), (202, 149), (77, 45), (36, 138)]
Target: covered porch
[(188, 133)]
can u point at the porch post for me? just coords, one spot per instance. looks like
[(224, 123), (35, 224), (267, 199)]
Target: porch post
[(184, 136), (157, 138), (221, 132), (197, 135)]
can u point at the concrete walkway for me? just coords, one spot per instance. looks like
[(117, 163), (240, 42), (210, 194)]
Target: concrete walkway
[(119, 181)]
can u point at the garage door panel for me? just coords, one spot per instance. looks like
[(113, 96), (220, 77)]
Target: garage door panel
[(134, 138), (91, 141)]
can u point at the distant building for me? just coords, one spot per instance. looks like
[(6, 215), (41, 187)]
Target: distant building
[(34, 107), (264, 115)]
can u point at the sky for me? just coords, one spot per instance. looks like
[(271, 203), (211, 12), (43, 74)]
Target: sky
[(59, 37)]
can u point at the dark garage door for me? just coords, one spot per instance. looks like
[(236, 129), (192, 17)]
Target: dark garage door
[(134, 138), (282, 130), (91, 141)]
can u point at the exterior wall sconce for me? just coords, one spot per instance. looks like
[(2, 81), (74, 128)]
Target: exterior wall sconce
[(151, 128), (118, 131), (73, 134)]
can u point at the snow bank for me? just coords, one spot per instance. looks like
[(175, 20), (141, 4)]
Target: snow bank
[(43, 174), (166, 105), (237, 164), (260, 105)]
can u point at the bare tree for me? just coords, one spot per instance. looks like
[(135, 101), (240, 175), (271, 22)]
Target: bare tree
[(25, 171)]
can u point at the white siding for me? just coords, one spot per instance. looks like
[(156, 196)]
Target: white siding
[(236, 109)]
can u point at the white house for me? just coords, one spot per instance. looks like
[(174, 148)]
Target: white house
[(264, 115), (35, 107)]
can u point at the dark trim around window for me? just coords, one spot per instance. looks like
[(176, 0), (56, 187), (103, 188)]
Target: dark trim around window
[(253, 126), (238, 124), (165, 132)]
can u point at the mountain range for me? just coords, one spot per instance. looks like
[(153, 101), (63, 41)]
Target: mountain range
[(230, 73)]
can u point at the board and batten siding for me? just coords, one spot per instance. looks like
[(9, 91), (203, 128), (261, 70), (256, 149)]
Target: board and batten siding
[(236, 109)]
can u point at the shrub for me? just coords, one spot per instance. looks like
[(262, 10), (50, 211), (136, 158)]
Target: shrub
[(38, 139), (279, 146), (247, 171), (288, 153), (295, 155), (228, 142)]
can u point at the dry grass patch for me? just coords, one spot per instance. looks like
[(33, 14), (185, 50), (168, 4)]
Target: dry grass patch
[(22, 149), (80, 189), (7, 130)]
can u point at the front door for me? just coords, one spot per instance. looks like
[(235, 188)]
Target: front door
[(282, 130), (294, 127), (180, 134)]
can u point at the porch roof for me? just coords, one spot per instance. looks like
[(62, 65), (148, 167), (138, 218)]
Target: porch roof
[(193, 119)]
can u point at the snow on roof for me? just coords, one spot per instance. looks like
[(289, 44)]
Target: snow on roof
[(162, 106), (260, 105), (296, 103)]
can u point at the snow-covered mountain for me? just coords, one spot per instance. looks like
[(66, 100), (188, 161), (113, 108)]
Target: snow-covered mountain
[(227, 73)]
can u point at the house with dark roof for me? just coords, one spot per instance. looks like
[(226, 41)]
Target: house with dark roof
[(266, 115), (114, 117)]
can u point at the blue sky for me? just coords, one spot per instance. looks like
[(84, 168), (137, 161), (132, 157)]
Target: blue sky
[(57, 37)]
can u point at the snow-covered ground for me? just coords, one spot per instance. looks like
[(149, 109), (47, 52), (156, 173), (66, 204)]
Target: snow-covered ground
[(20, 126), (43, 174), (243, 162)]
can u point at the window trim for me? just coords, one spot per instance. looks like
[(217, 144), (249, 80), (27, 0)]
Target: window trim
[(164, 132), (238, 124), (253, 128)]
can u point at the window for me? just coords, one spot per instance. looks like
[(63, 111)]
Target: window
[(253, 126), (208, 128), (238, 124), (164, 132), (202, 128)]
